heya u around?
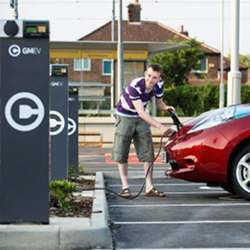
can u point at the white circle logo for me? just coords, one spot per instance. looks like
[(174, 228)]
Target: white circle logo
[(71, 126), (25, 111), (14, 50), (56, 122)]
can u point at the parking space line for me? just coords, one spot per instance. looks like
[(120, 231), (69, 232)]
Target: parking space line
[(200, 192), (196, 192), (91, 156), (181, 205), (179, 222), (214, 248), (161, 184), (135, 171)]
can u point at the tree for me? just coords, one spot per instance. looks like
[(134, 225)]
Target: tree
[(245, 60), (178, 64)]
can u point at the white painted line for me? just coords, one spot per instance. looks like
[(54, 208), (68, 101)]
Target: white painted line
[(200, 192), (214, 248), (97, 162), (194, 192), (88, 156), (132, 171), (156, 165), (181, 205), (180, 222), (161, 184), (210, 188)]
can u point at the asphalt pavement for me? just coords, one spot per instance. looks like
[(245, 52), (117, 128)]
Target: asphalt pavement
[(192, 216)]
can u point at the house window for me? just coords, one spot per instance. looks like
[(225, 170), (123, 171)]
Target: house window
[(106, 67), (82, 64), (202, 67)]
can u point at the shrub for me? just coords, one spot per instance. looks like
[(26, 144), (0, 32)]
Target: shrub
[(61, 193), (191, 100)]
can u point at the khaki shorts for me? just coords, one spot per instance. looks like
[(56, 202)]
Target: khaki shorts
[(136, 129)]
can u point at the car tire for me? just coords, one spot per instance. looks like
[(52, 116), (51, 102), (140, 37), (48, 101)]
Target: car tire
[(227, 187), (240, 173)]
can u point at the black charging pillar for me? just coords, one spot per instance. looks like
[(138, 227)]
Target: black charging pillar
[(59, 120), (73, 128), (24, 119)]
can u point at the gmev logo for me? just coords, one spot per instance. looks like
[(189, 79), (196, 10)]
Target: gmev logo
[(25, 111), (56, 122), (56, 84), (71, 126), (15, 50)]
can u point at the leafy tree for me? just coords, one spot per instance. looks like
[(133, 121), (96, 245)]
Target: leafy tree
[(245, 60), (178, 64)]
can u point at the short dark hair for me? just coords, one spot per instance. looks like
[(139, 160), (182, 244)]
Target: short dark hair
[(155, 67)]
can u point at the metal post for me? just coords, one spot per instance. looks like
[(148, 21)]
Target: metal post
[(222, 101), (112, 66), (234, 76), (113, 22), (120, 53)]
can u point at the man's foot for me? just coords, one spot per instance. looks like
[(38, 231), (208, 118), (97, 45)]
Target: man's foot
[(125, 193), (155, 193)]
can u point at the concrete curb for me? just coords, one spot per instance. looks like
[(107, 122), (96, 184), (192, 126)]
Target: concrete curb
[(63, 233)]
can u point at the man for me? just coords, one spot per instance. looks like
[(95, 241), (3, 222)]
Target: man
[(133, 122)]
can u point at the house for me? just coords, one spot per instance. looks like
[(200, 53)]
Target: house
[(97, 72)]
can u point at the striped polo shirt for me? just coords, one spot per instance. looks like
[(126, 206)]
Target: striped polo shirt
[(134, 91)]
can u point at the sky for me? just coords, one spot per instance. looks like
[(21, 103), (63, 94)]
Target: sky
[(72, 19)]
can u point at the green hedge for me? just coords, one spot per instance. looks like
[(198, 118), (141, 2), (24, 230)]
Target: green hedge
[(193, 100)]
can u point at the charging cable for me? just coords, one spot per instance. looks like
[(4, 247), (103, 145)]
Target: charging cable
[(143, 185)]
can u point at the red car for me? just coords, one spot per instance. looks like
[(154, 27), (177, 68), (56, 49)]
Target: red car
[(213, 148)]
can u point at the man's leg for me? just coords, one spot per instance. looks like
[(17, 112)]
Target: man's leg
[(123, 171), (149, 178), (145, 150), (123, 137), (150, 190)]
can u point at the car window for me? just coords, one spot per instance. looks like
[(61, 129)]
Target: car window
[(242, 111)]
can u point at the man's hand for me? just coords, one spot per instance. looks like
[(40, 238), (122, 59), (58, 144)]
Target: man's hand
[(170, 108), (161, 105), (168, 132)]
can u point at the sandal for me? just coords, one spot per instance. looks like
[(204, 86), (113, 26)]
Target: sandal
[(125, 193), (155, 193)]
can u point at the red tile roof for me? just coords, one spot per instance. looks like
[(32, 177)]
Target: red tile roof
[(144, 31)]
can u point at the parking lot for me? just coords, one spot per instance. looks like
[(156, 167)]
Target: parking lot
[(192, 216)]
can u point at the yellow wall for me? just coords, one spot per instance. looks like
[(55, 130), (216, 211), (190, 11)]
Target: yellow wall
[(98, 54)]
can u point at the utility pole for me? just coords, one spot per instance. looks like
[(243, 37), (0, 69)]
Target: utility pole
[(112, 94), (113, 22), (234, 76), (222, 101), (120, 65), (14, 5)]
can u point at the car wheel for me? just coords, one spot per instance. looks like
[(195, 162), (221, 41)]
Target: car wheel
[(240, 173), (227, 187)]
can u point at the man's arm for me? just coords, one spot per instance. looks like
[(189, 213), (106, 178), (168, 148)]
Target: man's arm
[(161, 105), (147, 118)]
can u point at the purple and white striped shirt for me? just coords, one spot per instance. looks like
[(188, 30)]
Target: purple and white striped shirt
[(137, 90)]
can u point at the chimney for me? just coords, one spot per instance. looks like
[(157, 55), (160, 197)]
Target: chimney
[(134, 12), (184, 32)]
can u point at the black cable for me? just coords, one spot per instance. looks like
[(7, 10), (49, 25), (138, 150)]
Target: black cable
[(143, 185)]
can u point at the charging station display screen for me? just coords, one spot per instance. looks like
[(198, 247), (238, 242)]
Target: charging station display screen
[(31, 29), (35, 29), (59, 70)]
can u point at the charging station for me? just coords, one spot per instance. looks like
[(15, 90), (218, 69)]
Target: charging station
[(24, 118), (59, 121), (73, 128)]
